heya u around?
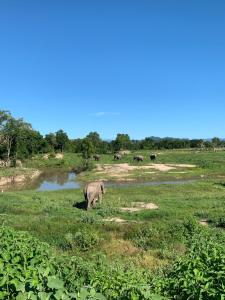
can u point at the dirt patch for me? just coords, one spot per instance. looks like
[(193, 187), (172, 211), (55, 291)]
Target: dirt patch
[(8, 180), (204, 222), (138, 206), (115, 219), (123, 170), (59, 156), (182, 165)]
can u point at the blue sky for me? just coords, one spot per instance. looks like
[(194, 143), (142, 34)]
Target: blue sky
[(138, 67)]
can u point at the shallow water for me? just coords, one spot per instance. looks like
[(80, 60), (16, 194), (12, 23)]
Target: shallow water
[(58, 181), (51, 180), (54, 180)]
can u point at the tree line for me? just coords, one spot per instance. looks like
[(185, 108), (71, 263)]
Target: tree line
[(18, 140)]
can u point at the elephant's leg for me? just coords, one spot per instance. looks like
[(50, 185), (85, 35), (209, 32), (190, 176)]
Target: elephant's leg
[(88, 204), (100, 198)]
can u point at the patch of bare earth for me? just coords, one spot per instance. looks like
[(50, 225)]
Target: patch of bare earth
[(137, 206), (115, 219), (119, 220), (123, 170), (182, 165), (204, 222)]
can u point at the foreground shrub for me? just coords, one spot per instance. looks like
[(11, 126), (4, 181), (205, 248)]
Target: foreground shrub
[(200, 274), (29, 271), (83, 239)]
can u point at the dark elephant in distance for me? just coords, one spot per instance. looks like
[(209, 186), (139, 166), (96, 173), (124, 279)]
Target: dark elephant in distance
[(117, 156), (93, 192), (153, 156), (138, 158), (96, 157)]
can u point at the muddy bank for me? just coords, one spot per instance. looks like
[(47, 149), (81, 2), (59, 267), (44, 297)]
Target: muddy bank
[(124, 170), (19, 179)]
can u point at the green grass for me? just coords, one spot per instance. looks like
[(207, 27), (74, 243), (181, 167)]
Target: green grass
[(149, 240), (51, 216), (208, 165), (69, 161)]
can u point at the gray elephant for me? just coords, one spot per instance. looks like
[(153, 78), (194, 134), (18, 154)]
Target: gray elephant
[(153, 156), (139, 158), (93, 192), (117, 156), (96, 157)]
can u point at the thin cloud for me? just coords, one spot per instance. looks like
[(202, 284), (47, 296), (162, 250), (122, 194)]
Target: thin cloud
[(104, 113)]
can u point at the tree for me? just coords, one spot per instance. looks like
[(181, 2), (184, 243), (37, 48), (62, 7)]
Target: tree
[(61, 139), (122, 141), (95, 139), (216, 142), (87, 149), (11, 131), (51, 140)]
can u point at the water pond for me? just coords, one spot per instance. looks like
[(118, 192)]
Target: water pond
[(54, 180)]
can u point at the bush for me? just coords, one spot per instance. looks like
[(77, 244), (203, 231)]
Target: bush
[(146, 237), (83, 239), (84, 165), (29, 271), (200, 274)]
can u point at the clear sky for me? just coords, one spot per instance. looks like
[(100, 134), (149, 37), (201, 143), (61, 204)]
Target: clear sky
[(154, 67)]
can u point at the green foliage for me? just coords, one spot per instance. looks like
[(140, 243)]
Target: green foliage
[(95, 140), (83, 239), (122, 141), (84, 165), (61, 139), (146, 237), (201, 273), (87, 149), (29, 271)]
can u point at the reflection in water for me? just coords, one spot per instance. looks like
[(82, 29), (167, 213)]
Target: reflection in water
[(58, 181), (48, 181)]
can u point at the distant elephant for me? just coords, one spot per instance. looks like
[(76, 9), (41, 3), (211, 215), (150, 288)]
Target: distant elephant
[(19, 163), (139, 158), (93, 192), (117, 156), (153, 156), (96, 157)]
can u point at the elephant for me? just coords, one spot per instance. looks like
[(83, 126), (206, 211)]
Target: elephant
[(96, 157), (117, 156), (139, 158), (19, 163), (93, 192), (153, 156)]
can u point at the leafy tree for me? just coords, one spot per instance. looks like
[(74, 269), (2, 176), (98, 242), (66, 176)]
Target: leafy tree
[(95, 139), (122, 142), (87, 149), (61, 139), (216, 142), (11, 133), (51, 140)]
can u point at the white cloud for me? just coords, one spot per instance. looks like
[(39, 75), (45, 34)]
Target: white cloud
[(105, 113)]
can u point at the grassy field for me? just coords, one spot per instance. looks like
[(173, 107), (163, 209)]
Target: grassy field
[(54, 216), (145, 240)]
